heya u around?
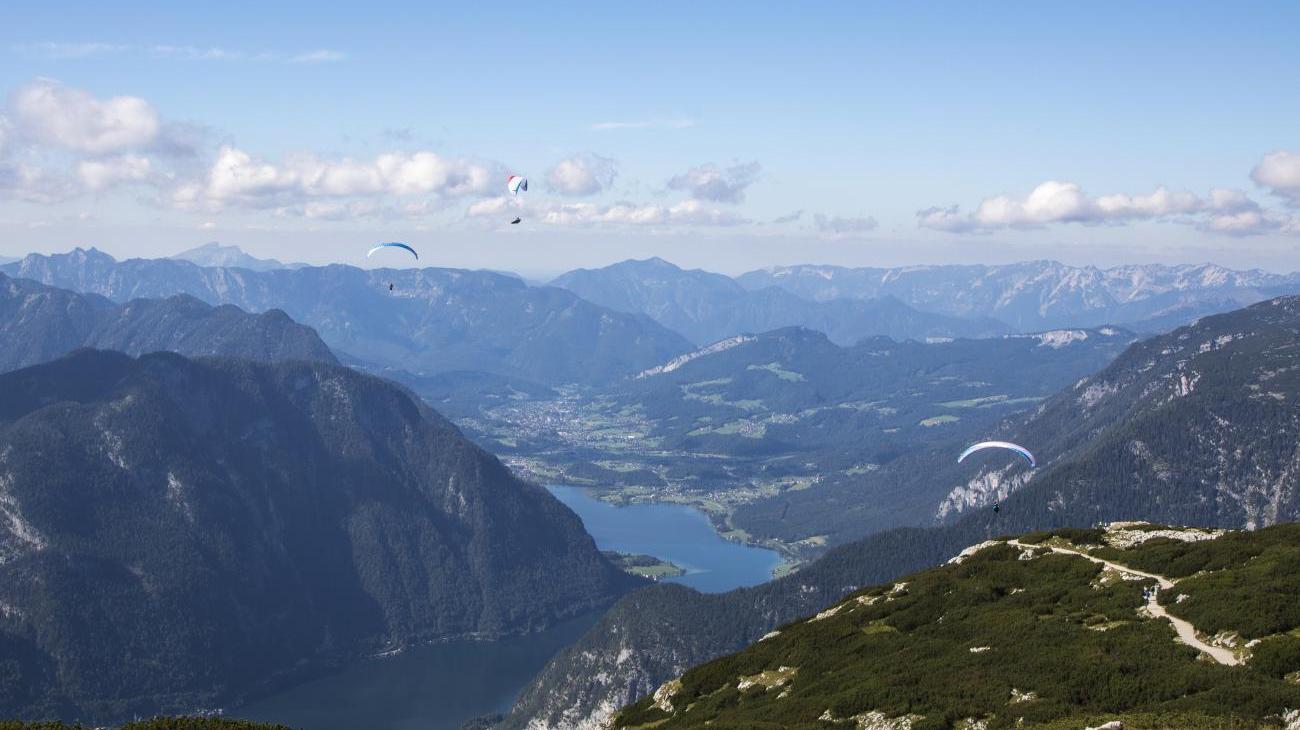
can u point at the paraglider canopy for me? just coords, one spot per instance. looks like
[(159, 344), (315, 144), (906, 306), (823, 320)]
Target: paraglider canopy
[(1022, 451), (393, 244), (514, 184)]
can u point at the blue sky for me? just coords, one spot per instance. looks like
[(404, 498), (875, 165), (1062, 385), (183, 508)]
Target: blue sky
[(723, 135)]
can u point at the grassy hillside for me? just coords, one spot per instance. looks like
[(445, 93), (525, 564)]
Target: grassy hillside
[(1020, 635)]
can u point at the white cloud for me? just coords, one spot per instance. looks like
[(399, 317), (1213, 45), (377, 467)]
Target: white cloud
[(66, 51), (713, 183), (582, 175), (319, 56), (492, 207), (238, 179), (54, 114), (33, 184), (676, 123), (840, 226), (99, 174), (1251, 223), (1223, 210), (687, 212), (58, 51), (1280, 172), (948, 219)]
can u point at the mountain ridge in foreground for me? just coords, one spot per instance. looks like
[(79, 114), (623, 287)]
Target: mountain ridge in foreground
[(1053, 630), (183, 533)]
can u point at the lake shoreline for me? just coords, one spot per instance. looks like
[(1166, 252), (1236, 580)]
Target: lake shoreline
[(674, 531)]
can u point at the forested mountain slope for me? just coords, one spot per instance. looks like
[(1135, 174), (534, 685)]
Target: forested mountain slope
[(181, 533)]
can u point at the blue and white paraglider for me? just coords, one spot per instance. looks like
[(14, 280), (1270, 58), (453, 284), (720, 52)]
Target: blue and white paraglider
[(1016, 448), (397, 245), (393, 244)]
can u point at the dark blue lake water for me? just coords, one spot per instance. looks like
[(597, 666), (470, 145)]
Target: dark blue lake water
[(440, 686), (433, 687), (674, 532)]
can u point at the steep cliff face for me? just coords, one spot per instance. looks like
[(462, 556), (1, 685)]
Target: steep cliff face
[(1202, 421), (222, 524)]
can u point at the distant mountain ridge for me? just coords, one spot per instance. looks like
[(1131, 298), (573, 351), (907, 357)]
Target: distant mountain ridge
[(179, 533), (433, 320), (215, 254), (1035, 295), (39, 323), (708, 307)]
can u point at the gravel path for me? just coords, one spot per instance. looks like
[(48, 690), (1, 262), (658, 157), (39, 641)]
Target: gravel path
[(1186, 632)]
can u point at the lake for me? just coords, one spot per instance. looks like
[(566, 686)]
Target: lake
[(431, 687), (674, 532), (440, 686)]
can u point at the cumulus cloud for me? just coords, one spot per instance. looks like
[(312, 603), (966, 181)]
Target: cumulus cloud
[(715, 184), (687, 212), (1280, 172), (76, 120), (99, 174), (1250, 223), (1066, 202), (582, 175), (33, 184), (790, 217), (238, 179), (493, 207), (840, 226)]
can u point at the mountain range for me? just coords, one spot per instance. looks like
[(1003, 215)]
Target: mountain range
[(1038, 295), (182, 533), (39, 323), (707, 307), (214, 254), (431, 321), (1197, 426)]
